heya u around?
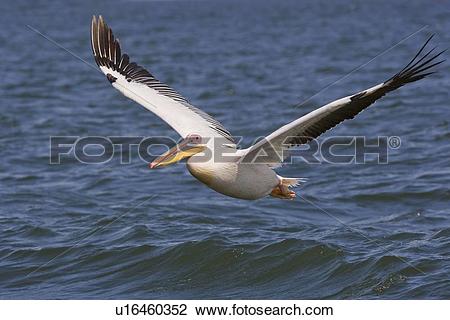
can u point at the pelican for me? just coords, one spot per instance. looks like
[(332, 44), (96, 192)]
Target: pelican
[(211, 152)]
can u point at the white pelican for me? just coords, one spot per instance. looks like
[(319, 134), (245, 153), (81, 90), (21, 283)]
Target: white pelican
[(243, 175)]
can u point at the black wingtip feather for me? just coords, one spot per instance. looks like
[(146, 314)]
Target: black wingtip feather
[(107, 53), (413, 71), (418, 53)]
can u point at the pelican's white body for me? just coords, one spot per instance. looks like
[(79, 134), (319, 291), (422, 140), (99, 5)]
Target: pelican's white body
[(244, 181)]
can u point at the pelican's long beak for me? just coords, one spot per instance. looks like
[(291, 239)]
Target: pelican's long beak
[(182, 150)]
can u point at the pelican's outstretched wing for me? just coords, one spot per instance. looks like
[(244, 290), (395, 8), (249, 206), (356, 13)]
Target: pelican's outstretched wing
[(310, 126), (138, 84)]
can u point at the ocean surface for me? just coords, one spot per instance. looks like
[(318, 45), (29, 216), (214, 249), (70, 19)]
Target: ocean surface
[(111, 230)]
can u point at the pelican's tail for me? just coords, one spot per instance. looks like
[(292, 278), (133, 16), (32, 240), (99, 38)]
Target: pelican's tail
[(292, 182), (283, 191)]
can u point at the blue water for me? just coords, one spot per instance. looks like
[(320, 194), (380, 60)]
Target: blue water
[(81, 231)]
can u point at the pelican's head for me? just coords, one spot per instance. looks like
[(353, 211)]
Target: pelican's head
[(189, 146)]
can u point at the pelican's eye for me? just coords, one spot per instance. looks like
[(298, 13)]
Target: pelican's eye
[(195, 139)]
